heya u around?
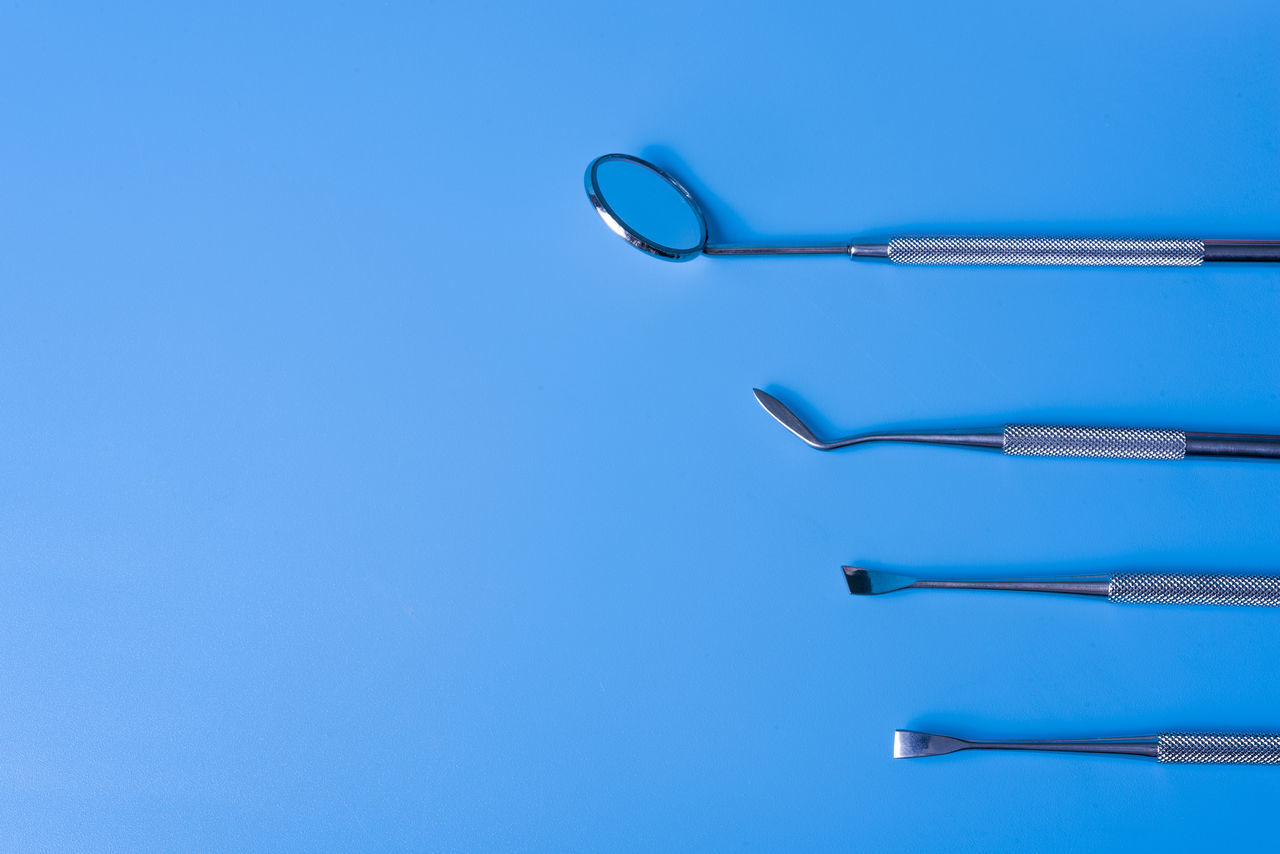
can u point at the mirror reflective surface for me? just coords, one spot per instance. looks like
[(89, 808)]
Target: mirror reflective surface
[(646, 207)]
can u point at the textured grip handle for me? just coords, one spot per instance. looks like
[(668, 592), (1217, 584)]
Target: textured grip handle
[(1029, 440), (1168, 589), (1045, 251), (1218, 748)]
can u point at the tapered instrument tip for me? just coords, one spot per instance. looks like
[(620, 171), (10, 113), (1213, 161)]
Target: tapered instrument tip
[(788, 419)]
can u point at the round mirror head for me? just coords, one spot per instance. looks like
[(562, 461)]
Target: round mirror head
[(646, 207)]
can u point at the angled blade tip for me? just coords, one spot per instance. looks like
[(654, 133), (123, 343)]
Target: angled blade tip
[(766, 400), (867, 582), (787, 418)]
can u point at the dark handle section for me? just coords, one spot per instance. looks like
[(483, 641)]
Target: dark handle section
[(1242, 250), (1233, 444)]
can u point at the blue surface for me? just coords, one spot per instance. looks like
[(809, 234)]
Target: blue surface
[(362, 492)]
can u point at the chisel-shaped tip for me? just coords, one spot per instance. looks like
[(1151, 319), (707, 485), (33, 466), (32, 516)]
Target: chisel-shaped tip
[(866, 582), (908, 744)]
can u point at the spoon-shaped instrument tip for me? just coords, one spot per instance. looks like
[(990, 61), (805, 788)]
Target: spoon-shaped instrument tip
[(789, 419), (868, 582)]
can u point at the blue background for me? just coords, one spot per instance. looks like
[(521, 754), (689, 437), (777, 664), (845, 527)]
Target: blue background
[(362, 492)]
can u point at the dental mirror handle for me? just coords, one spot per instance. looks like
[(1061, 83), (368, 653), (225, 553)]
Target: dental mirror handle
[(1070, 251), (1167, 747)]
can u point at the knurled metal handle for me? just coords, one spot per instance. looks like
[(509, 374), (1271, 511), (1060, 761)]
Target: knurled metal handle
[(1141, 588), (1030, 440), (1219, 748), (1044, 251)]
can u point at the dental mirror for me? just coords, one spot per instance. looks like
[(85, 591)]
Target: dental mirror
[(646, 207), (651, 210)]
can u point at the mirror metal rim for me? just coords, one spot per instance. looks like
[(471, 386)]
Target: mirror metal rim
[(619, 226)]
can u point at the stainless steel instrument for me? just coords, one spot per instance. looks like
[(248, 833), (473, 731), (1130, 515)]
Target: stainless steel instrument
[(1170, 747), (654, 212), (1138, 588), (1031, 440)]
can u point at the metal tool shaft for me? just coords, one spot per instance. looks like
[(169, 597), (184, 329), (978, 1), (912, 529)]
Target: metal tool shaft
[(1032, 251), (1084, 585), (1138, 588), (1167, 747), (1040, 440), (909, 744)]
